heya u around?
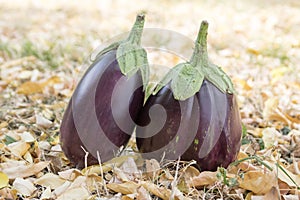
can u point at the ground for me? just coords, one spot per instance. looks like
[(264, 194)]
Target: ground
[(45, 47)]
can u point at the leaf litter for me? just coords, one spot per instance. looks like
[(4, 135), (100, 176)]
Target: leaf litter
[(260, 51)]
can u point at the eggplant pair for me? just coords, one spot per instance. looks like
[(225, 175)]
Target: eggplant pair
[(192, 114)]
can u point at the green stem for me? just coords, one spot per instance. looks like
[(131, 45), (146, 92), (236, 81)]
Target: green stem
[(200, 54), (137, 30)]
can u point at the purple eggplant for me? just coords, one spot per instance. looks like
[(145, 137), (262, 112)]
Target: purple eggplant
[(100, 116), (192, 114)]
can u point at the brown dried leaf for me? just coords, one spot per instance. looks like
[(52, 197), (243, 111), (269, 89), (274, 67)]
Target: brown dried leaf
[(152, 168), (161, 192), (130, 169), (204, 178), (23, 170), (273, 194), (259, 182), (128, 187)]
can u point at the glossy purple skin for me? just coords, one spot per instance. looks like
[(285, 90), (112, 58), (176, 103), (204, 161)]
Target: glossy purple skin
[(91, 107), (205, 127)]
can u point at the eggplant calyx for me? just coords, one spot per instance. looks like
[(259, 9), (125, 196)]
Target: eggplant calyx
[(131, 56), (186, 78), (211, 72)]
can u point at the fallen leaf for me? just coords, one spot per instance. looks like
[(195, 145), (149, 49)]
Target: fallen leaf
[(130, 169), (107, 166), (3, 180), (47, 194), (259, 182), (152, 168), (70, 174), (143, 194), (160, 192), (42, 121), (29, 87), (273, 194), (23, 170), (78, 193), (128, 187), (24, 187), (204, 178), (50, 180), (270, 137), (18, 148), (290, 197)]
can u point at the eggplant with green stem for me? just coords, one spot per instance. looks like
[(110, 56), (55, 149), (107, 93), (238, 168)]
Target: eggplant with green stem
[(100, 116), (192, 114)]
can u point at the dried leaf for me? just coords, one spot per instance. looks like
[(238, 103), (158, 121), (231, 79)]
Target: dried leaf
[(42, 121), (290, 197), (47, 194), (24, 187), (128, 187), (273, 194), (3, 180), (259, 182), (152, 168), (108, 166), (270, 137), (143, 194), (78, 193), (204, 178), (130, 169), (22, 171), (50, 180), (29, 87), (18, 148), (70, 174), (161, 192)]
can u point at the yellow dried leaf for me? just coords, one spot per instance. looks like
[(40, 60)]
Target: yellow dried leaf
[(24, 187), (128, 187), (3, 125), (51, 81), (3, 180), (24, 170), (258, 182), (30, 88), (50, 180), (204, 178)]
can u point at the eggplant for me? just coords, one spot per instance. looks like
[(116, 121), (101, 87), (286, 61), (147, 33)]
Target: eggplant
[(99, 118), (192, 114)]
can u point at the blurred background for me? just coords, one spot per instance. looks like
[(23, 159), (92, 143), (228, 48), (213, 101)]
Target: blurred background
[(256, 42)]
